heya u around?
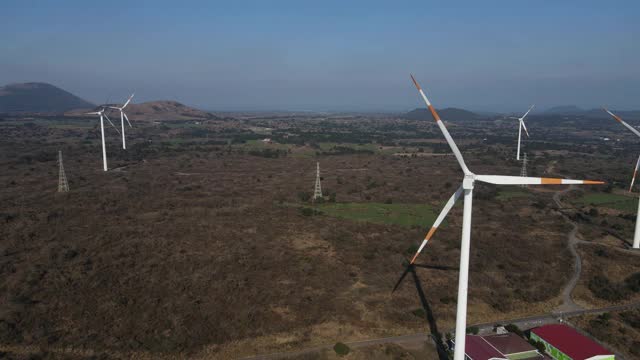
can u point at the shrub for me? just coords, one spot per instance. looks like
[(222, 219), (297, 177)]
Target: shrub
[(419, 313), (412, 249), (514, 329), (341, 349), (603, 288), (305, 211), (473, 330), (633, 282), (539, 345), (304, 196)]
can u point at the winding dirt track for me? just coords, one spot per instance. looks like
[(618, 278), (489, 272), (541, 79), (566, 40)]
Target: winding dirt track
[(567, 302)]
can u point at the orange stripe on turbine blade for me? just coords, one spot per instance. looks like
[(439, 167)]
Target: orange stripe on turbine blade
[(550, 181), (434, 113), (426, 238), (430, 233), (415, 82), (592, 182)]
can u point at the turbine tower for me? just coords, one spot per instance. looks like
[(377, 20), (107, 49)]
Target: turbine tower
[(636, 236), (63, 185), (104, 147), (520, 127), (466, 187), (317, 193), (122, 117)]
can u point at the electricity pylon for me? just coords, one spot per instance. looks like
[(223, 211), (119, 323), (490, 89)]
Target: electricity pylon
[(63, 185), (523, 172), (317, 193)]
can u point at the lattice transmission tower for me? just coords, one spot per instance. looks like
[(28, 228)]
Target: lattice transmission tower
[(523, 172), (317, 192), (63, 185)]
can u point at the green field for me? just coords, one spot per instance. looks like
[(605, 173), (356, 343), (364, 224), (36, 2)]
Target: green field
[(397, 214), (612, 201), (511, 192)]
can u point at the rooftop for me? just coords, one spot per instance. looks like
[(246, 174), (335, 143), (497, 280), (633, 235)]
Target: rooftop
[(570, 342), (509, 343), (478, 349)]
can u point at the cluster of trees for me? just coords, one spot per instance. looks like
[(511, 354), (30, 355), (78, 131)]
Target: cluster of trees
[(605, 289)]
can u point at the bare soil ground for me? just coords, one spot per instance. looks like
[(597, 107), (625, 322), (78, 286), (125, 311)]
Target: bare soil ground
[(192, 248)]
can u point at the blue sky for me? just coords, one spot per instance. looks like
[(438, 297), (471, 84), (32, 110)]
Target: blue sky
[(329, 55)]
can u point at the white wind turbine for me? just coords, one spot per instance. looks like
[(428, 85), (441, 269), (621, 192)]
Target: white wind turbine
[(104, 147), (122, 117), (520, 127), (467, 188), (636, 236)]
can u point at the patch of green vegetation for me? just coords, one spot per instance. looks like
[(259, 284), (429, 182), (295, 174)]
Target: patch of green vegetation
[(612, 201), (419, 313), (509, 193), (397, 214), (65, 123), (341, 349), (259, 144), (329, 146)]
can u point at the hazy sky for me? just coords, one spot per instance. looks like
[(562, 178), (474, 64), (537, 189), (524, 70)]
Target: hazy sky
[(329, 55)]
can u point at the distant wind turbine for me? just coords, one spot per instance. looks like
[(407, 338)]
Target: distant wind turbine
[(122, 117), (104, 147), (636, 236), (520, 127), (467, 188)]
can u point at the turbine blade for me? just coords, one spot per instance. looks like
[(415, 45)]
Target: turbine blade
[(635, 171), (524, 127), (622, 122), (527, 113), (126, 118), (443, 128), (522, 180), (128, 101), (439, 220), (109, 120)]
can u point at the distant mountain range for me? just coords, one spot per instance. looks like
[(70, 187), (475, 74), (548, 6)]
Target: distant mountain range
[(38, 98), (457, 114), (446, 114), (48, 99), (572, 110)]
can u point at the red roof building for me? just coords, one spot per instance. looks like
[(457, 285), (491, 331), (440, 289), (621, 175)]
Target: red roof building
[(501, 346), (564, 342)]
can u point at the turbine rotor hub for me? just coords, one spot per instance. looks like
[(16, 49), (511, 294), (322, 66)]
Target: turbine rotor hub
[(468, 181)]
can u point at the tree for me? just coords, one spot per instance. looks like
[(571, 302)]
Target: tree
[(473, 330), (341, 349)]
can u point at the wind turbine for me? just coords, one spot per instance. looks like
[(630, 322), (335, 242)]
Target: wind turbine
[(104, 147), (636, 236), (467, 189), (122, 117), (520, 127)]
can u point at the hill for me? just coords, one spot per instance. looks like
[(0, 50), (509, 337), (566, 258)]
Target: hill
[(162, 110), (166, 110), (596, 113), (37, 98), (447, 114)]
